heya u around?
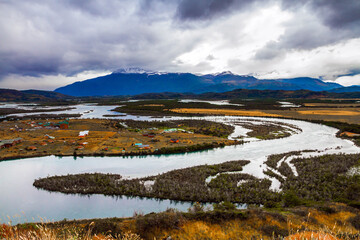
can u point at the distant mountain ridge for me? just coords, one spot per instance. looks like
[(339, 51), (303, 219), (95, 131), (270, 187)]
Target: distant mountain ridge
[(7, 95), (11, 95), (355, 88), (250, 94), (133, 81)]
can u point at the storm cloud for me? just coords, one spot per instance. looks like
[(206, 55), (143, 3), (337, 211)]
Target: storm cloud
[(42, 39)]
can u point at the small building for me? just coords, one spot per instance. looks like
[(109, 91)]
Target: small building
[(83, 133), (31, 148), (63, 124), (49, 137), (10, 142), (7, 143), (143, 146), (173, 140)]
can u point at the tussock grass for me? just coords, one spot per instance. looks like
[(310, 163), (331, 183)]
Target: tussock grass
[(45, 232)]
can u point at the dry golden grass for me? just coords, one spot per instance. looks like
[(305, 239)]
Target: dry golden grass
[(230, 112), (302, 224), (311, 236), (330, 112), (41, 232), (331, 104), (154, 105), (313, 226)]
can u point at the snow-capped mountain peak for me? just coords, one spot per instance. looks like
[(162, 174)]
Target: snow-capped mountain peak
[(223, 73), (136, 70), (132, 70)]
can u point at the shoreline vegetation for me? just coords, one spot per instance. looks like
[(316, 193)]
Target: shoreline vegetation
[(161, 151)]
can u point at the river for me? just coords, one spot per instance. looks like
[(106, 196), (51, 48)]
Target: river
[(21, 202)]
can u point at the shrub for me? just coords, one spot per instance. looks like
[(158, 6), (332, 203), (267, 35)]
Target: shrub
[(291, 199)]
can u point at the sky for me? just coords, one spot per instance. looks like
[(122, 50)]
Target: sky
[(46, 44)]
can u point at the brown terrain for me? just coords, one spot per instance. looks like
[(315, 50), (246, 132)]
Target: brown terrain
[(323, 112), (102, 139)]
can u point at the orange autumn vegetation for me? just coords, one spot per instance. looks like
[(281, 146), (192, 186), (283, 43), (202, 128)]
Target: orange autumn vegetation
[(308, 224), (299, 223), (311, 235), (330, 112), (229, 112)]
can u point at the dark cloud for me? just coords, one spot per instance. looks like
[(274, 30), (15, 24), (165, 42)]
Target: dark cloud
[(207, 9), (338, 14), (67, 37)]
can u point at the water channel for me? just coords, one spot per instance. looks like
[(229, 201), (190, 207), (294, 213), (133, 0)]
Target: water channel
[(21, 202)]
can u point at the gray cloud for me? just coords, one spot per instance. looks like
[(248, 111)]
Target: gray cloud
[(270, 51), (50, 37), (316, 23), (202, 9), (337, 14)]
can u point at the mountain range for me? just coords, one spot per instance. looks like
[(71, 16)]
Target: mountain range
[(11, 95), (135, 81)]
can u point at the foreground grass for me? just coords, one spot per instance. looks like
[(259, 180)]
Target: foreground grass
[(326, 221)]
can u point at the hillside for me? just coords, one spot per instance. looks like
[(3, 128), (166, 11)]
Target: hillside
[(250, 93), (346, 89), (138, 82), (11, 95)]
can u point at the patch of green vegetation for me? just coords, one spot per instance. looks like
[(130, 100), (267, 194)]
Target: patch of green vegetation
[(196, 126), (185, 184), (322, 178), (162, 107)]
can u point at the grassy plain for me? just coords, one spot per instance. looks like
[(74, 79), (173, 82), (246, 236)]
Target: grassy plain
[(328, 110), (104, 138), (229, 112)]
